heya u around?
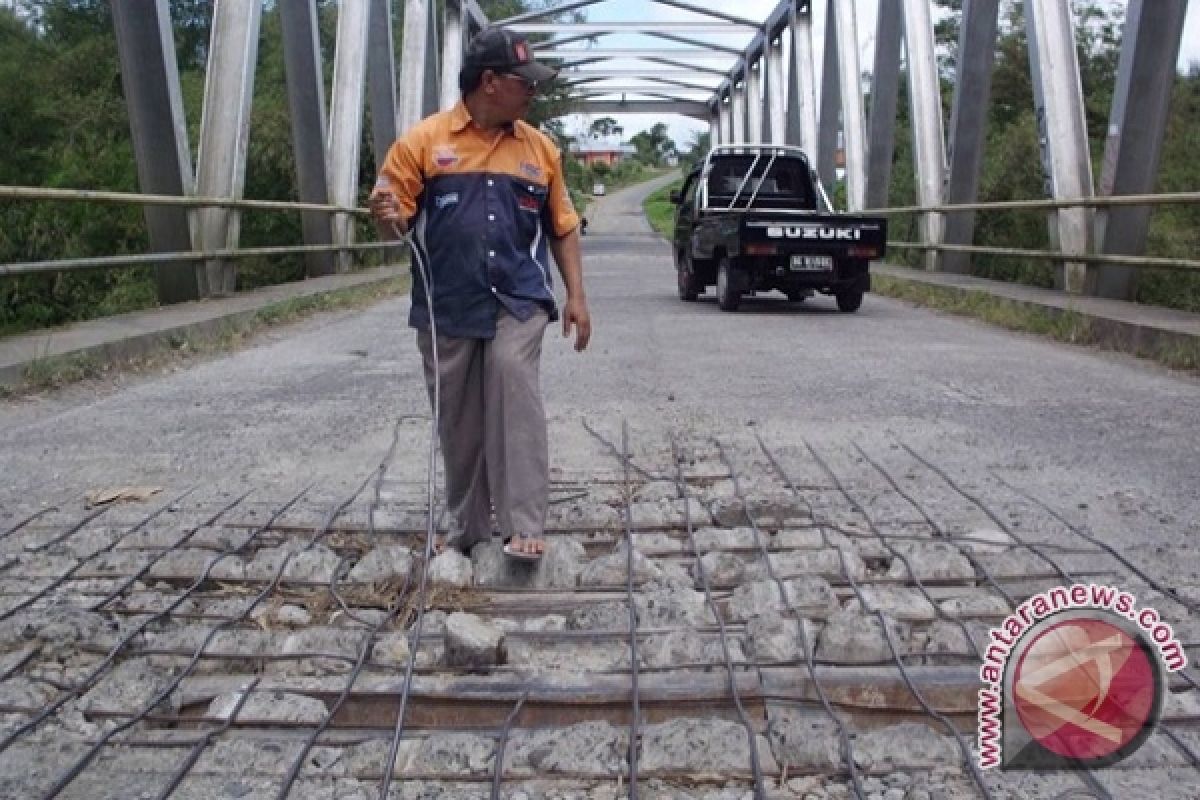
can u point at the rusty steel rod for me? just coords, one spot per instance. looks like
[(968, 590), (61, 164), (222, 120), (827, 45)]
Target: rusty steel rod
[(635, 721)]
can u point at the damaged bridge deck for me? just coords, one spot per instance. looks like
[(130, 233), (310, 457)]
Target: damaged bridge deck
[(759, 618)]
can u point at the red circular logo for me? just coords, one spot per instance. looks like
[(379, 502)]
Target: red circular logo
[(1084, 689)]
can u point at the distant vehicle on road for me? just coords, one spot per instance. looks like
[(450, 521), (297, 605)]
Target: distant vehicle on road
[(598, 190), (755, 218)]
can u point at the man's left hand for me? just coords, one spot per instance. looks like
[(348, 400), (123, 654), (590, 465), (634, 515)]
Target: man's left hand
[(576, 314)]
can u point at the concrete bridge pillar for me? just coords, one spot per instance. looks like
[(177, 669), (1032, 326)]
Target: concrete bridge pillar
[(225, 134), (412, 64), (885, 93), (925, 99), (849, 82), (737, 113), (775, 129), (1062, 132), (754, 103), (306, 103), (150, 78), (346, 117), (968, 123), (1136, 129), (452, 55), (802, 87)]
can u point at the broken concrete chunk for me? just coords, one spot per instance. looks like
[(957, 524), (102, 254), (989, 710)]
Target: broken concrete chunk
[(931, 561), (451, 568), (608, 616), (775, 638), (804, 741), (808, 596), (831, 563), (670, 608), (589, 748), (391, 650), (558, 568), (924, 748), (472, 643), (452, 753), (271, 706), (709, 539), (853, 638), (328, 643), (688, 646), (900, 602), (392, 562), (707, 746), (611, 570)]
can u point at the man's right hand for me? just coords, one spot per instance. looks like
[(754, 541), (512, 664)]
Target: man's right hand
[(386, 212)]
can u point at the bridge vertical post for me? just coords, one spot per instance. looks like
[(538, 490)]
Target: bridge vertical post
[(412, 65), (714, 131), (802, 87), (225, 133), (776, 124), (1137, 126), (737, 112), (831, 107), (885, 93), (854, 121), (431, 100), (1062, 133), (754, 104), (452, 54), (306, 105), (725, 117), (968, 123), (381, 78), (150, 78), (925, 100), (346, 118)]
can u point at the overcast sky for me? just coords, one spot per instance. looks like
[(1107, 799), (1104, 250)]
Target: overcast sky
[(682, 129)]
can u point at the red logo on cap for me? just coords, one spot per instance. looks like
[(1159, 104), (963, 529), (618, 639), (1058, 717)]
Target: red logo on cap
[(521, 52)]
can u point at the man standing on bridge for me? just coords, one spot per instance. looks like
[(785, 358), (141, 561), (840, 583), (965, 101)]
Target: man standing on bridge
[(482, 192)]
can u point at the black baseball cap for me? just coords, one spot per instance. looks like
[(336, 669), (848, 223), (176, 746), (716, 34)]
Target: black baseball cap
[(502, 50)]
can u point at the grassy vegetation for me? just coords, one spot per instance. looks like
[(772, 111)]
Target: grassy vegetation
[(660, 211), (58, 371), (1062, 326)]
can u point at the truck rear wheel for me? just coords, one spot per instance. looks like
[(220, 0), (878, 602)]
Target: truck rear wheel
[(688, 286), (849, 300), (729, 290)]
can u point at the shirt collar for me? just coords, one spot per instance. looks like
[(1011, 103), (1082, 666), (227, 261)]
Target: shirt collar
[(460, 118)]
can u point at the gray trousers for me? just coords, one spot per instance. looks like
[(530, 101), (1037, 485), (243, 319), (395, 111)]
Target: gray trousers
[(493, 429)]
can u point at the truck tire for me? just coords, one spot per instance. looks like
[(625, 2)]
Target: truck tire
[(729, 291), (849, 300), (688, 285)]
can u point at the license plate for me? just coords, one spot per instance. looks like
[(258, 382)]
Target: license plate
[(812, 263)]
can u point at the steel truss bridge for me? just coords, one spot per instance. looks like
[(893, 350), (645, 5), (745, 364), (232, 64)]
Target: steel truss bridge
[(760, 89)]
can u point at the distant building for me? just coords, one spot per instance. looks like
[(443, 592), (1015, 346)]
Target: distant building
[(599, 150)]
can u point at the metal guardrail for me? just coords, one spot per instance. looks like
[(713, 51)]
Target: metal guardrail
[(1145, 262), (128, 198)]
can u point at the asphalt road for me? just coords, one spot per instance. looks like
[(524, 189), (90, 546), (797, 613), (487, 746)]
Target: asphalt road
[(1110, 442)]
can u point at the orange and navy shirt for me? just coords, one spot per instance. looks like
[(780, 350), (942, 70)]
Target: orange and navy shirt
[(480, 207)]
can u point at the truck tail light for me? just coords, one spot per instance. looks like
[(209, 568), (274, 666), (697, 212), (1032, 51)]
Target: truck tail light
[(760, 249), (864, 252)]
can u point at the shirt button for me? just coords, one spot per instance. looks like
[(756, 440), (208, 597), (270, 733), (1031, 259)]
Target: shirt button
[(491, 217), (491, 182), (491, 253)]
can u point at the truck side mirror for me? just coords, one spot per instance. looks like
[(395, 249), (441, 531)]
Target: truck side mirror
[(676, 197)]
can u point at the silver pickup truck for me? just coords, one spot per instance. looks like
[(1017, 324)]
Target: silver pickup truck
[(754, 218)]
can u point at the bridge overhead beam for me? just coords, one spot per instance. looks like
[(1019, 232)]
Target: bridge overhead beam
[(695, 109), (306, 103), (1137, 127), (754, 104), (925, 99), (412, 64), (802, 86), (150, 78), (775, 128), (225, 133), (1062, 132), (346, 118), (968, 123), (885, 93)]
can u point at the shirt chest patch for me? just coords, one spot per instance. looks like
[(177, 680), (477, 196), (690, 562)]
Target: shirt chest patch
[(445, 155), (531, 170), (445, 200), (530, 204)]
